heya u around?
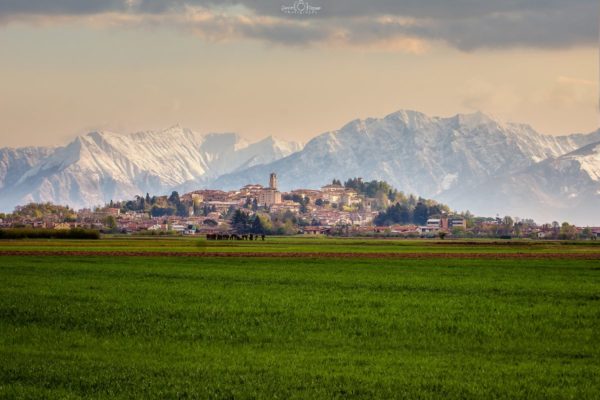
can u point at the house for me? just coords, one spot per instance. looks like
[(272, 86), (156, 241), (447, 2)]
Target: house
[(287, 205), (178, 228), (457, 222), (429, 230), (115, 212), (310, 194), (63, 226), (434, 224), (315, 230), (405, 229), (209, 195), (221, 206), (350, 198), (190, 230), (251, 190), (333, 193)]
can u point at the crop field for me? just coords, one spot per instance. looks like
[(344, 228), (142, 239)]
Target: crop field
[(299, 318)]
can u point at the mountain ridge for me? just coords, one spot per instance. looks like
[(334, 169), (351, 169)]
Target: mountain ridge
[(444, 158), (101, 165)]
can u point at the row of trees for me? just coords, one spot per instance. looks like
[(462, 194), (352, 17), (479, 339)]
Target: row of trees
[(283, 223), (403, 213)]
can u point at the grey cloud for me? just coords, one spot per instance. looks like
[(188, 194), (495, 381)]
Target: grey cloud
[(55, 7), (465, 24)]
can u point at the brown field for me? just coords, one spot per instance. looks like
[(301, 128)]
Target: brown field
[(491, 256)]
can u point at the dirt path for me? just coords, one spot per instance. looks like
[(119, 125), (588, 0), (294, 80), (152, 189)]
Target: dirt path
[(491, 256)]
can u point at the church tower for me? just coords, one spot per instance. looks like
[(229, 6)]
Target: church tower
[(273, 181)]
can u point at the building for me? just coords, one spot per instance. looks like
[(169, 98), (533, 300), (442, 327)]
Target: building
[(251, 190), (211, 195), (269, 196), (333, 193), (221, 206), (310, 194), (446, 223), (457, 222), (273, 181), (290, 206), (63, 226), (350, 198), (434, 224)]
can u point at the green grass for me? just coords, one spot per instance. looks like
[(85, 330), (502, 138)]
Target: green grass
[(99, 327)]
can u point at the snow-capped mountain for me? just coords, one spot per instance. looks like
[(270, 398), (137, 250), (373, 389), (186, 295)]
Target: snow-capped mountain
[(415, 153), (566, 188), (101, 166), (16, 162), (471, 162)]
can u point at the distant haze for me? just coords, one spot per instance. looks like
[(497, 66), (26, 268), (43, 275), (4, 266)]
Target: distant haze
[(72, 67)]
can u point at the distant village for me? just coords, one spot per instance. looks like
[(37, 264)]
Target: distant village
[(354, 208)]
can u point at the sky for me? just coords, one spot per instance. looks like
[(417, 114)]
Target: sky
[(68, 67)]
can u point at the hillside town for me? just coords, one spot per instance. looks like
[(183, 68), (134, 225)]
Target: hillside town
[(354, 208)]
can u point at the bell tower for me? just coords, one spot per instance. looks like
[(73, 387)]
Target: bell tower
[(273, 181)]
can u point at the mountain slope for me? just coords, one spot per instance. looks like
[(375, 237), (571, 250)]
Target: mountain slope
[(566, 188), (101, 166), (414, 152), (16, 162)]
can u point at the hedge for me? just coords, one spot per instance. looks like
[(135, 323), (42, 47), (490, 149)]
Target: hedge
[(29, 233)]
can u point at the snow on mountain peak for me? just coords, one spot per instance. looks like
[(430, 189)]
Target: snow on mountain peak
[(99, 166), (588, 158)]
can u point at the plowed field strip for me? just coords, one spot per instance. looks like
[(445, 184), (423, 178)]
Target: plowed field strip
[(578, 256)]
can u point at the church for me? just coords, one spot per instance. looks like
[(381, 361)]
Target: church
[(269, 196)]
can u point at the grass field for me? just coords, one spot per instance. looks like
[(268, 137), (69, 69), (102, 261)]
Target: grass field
[(299, 327)]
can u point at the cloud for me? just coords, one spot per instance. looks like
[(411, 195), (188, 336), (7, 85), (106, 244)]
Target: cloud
[(405, 25)]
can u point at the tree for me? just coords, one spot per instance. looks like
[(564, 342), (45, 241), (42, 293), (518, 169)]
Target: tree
[(421, 214), (507, 225), (568, 232), (240, 221), (174, 198), (586, 233), (257, 226), (182, 210), (303, 208), (555, 229), (157, 211), (111, 224)]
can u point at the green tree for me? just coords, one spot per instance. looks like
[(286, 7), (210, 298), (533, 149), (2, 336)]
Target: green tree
[(257, 226), (111, 223), (421, 214), (586, 233), (568, 232), (174, 198), (182, 210), (240, 221), (507, 225)]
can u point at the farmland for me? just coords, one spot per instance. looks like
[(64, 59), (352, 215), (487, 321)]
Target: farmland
[(299, 318)]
